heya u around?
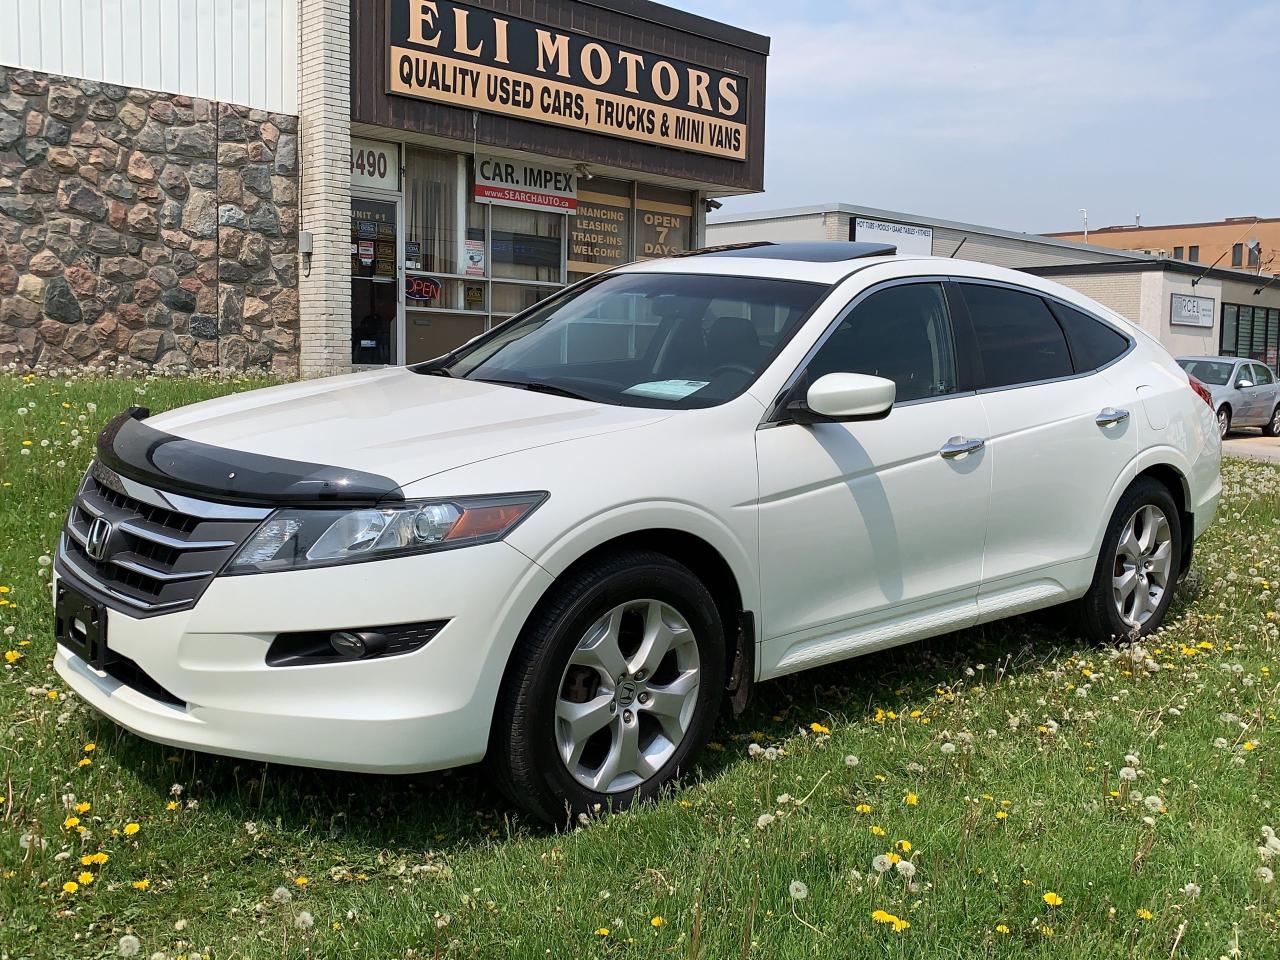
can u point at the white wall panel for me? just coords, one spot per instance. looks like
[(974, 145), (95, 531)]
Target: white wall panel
[(239, 51)]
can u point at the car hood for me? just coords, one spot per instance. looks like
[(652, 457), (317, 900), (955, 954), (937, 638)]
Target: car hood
[(396, 423)]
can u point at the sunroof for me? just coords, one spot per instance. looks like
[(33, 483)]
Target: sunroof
[(815, 251)]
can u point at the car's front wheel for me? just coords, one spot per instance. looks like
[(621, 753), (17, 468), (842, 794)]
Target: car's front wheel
[(612, 690), (1138, 566), (1272, 429)]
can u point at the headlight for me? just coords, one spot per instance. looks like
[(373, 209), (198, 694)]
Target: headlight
[(293, 539)]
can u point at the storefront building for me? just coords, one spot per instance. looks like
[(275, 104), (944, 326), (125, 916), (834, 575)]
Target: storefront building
[(437, 167), (497, 158)]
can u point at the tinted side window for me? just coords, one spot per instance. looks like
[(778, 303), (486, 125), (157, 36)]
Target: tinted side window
[(1261, 375), (1018, 338), (901, 333), (1093, 343)]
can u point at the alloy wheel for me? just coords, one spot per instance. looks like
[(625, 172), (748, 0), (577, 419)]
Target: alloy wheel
[(1143, 563), (628, 695), (1275, 422), (1224, 422)]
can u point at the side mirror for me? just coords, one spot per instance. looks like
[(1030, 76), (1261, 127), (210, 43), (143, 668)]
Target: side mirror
[(1242, 384), (845, 396)]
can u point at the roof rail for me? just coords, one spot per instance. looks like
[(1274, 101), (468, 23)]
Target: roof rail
[(813, 251)]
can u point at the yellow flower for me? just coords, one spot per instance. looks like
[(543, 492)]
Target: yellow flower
[(12, 656), (1250, 745), (1145, 914), (337, 925), (818, 728), (70, 887), (90, 747), (1002, 929), (171, 805), (70, 823), (910, 799), (84, 762), (1052, 899), (904, 845), (93, 858), (83, 806), (877, 831), (52, 694), (300, 881), (130, 829), (882, 916), (1001, 815), (85, 877), (5, 589), (602, 932), (863, 808), (142, 884), (657, 922), (1046, 931)]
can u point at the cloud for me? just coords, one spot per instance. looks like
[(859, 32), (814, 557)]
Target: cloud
[(1014, 113)]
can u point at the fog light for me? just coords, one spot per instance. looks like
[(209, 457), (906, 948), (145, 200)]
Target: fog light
[(354, 646)]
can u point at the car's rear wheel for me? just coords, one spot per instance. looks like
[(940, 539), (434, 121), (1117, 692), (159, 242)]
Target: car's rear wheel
[(1138, 566), (1272, 429), (1224, 421), (613, 690)]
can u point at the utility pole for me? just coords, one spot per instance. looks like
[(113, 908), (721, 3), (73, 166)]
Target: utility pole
[(1085, 213)]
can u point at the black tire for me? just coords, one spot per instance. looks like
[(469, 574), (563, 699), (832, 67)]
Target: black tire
[(1272, 428), (523, 759), (1224, 421), (1098, 614)]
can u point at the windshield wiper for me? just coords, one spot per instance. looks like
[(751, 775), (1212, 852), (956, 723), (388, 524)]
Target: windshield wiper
[(537, 386)]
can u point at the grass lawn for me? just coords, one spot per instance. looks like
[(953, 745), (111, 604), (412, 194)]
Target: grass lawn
[(994, 763)]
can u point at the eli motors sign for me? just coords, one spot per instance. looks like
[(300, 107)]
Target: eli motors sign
[(462, 55)]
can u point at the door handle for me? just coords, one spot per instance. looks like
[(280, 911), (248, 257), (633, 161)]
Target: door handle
[(1110, 415), (959, 446)]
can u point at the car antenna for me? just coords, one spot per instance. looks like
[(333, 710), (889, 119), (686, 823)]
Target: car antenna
[(1225, 249), (963, 241)]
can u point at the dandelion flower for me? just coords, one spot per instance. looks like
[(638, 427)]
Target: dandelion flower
[(301, 881), (130, 829), (1002, 929), (818, 728), (129, 945), (602, 931), (1144, 914), (1052, 899), (70, 887), (657, 922), (798, 890), (143, 884), (862, 808), (910, 799)]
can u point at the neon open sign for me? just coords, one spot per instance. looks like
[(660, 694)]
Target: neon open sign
[(422, 288)]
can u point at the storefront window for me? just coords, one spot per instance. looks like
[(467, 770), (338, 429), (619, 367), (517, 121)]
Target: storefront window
[(600, 232), (526, 244), (664, 222), (433, 205), (1252, 332), (510, 298)]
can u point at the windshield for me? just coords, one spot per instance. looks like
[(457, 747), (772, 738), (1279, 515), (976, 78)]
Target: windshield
[(1216, 373), (674, 341)]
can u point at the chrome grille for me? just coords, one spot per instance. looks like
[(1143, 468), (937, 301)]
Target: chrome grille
[(159, 552)]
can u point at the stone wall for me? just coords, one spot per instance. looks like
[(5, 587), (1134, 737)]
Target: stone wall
[(145, 228)]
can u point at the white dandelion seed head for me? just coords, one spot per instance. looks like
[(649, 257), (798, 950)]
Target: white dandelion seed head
[(1129, 774), (798, 890), (1149, 821), (881, 864), (1192, 890), (281, 895), (304, 920), (906, 868), (1132, 759), (851, 761), (948, 747), (764, 820), (754, 750), (129, 945), (1264, 874), (771, 753), (1220, 743), (784, 799), (1154, 803), (1273, 843)]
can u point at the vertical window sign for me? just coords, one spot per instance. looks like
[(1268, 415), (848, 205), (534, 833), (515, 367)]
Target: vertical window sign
[(375, 164)]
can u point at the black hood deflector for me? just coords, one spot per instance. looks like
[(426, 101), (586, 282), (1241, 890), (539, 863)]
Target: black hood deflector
[(133, 449)]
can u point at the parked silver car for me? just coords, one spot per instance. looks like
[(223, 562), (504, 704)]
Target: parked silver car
[(1245, 392)]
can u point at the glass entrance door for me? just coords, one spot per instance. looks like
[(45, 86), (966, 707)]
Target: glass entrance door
[(375, 281)]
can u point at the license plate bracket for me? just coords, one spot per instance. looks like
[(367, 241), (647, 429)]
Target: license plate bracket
[(80, 625)]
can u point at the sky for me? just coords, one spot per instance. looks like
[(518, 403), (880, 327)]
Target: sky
[(1016, 114)]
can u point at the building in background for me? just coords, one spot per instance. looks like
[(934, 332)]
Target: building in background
[(1245, 243), (1190, 308), (312, 185)]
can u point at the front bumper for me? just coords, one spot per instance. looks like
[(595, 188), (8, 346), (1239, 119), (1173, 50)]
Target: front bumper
[(424, 710)]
